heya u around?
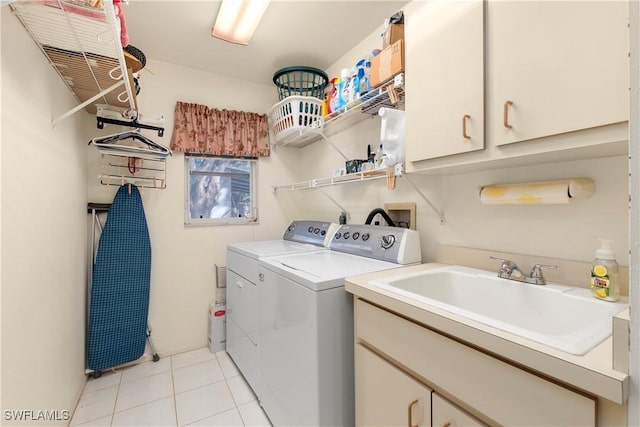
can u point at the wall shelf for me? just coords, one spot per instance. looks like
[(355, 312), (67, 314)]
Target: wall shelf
[(334, 180), (83, 46), (390, 95)]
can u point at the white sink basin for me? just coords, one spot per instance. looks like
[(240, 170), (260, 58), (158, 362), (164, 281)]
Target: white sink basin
[(563, 317)]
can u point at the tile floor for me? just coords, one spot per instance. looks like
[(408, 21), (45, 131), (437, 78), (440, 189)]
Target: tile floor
[(198, 388)]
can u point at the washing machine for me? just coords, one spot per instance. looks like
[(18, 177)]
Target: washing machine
[(306, 323), (242, 291)]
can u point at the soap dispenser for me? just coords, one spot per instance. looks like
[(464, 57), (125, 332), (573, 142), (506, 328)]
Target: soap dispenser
[(604, 273)]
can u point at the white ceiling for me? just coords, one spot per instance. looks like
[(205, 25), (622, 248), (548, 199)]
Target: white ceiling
[(292, 32)]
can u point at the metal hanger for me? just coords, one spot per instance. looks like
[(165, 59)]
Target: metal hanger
[(109, 144)]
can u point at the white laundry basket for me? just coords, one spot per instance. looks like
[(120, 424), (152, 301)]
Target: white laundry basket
[(295, 114)]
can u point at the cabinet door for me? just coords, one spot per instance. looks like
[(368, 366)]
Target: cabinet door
[(446, 414), (386, 396), (445, 78), (556, 67)]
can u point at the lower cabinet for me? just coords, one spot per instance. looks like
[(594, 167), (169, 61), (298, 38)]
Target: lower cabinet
[(479, 388), (387, 396)]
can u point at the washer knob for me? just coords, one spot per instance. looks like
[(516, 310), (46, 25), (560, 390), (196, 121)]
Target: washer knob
[(291, 228), (338, 236), (356, 235), (388, 241), (346, 234), (323, 232), (365, 237), (310, 230)]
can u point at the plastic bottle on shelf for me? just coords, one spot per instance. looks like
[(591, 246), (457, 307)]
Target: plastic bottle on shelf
[(604, 273), (333, 98), (364, 74), (354, 86), (379, 158), (343, 92)]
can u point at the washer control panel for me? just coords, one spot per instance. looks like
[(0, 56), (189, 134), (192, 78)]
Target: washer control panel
[(394, 244)]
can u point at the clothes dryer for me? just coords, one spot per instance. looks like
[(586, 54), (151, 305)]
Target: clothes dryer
[(242, 290)]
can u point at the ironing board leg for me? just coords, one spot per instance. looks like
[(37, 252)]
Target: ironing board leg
[(153, 350)]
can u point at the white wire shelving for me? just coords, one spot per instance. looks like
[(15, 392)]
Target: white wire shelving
[(83, 45), (390, 95)]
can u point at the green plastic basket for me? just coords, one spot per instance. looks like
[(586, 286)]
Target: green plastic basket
[(300, 80)]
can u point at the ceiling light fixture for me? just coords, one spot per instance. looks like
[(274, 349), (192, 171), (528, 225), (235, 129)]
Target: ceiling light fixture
[(237, 20)]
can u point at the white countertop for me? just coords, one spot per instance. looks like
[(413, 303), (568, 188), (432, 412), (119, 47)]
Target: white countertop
[(592, 372)]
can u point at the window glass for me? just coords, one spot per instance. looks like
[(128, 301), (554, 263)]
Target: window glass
[(220, 190)]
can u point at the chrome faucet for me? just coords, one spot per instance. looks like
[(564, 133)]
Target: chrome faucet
[(509, 270)]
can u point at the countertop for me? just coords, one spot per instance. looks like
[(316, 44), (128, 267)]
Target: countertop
[(592, 372)]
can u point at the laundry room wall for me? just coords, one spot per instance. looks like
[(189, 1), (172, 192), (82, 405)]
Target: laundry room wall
[(561, 231), (44, 255), (184, 257)]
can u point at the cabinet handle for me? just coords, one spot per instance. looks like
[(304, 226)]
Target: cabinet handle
[(261, 277), (464, 126), (446, 424), (409, 415), (506, 114), (239, 284)]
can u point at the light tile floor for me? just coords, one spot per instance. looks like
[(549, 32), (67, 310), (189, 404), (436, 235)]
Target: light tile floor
[(198, 388)]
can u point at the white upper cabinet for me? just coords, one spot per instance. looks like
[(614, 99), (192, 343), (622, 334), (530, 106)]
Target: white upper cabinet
[(445, 78), (555, 67)]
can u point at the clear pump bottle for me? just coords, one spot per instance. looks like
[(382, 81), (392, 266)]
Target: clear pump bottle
[(604, 273)]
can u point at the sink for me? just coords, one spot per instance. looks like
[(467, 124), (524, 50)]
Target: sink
[(563, 317)]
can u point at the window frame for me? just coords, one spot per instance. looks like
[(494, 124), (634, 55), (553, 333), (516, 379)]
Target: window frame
[(253, 192)]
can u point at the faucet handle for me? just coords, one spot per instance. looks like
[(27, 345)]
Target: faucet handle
[(536, 276), (507, 268), (536, 271)]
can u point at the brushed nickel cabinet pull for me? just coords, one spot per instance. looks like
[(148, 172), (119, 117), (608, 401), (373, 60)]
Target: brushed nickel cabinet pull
[(506, 114), (464, 126), (447, 424), (409, 415)]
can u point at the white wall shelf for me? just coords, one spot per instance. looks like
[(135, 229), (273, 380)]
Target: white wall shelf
[(83, 46), (334, 180), (390, 95)]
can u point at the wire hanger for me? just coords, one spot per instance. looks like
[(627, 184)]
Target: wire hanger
[(110, 144)]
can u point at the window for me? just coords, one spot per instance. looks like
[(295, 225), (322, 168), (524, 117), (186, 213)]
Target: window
[(220, 190)]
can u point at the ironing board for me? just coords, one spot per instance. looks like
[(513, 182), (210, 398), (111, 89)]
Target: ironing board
[(121, 278)]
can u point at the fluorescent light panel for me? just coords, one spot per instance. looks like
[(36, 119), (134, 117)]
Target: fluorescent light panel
[(238, 19)]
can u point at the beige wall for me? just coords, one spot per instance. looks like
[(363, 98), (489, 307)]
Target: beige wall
[(562, 231), (44, 196), (183, 258)]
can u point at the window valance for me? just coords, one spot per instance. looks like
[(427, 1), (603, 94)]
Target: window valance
[(204, 130)]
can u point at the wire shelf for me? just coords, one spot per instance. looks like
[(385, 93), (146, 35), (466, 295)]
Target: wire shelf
[(83, 46), (389, 95)]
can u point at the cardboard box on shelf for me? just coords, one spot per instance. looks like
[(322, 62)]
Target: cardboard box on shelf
[(387, 64), (392, 34)]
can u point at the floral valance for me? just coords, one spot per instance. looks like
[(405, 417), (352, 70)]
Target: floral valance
[(204, 130)]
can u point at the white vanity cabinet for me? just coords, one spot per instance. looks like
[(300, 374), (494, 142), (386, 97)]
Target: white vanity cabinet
[(445, 74), (446, 414), (386, 396), (556, 67), (486, 387)]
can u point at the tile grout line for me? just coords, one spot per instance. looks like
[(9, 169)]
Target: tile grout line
[(173, 385), (226, 382), (113, 413)]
